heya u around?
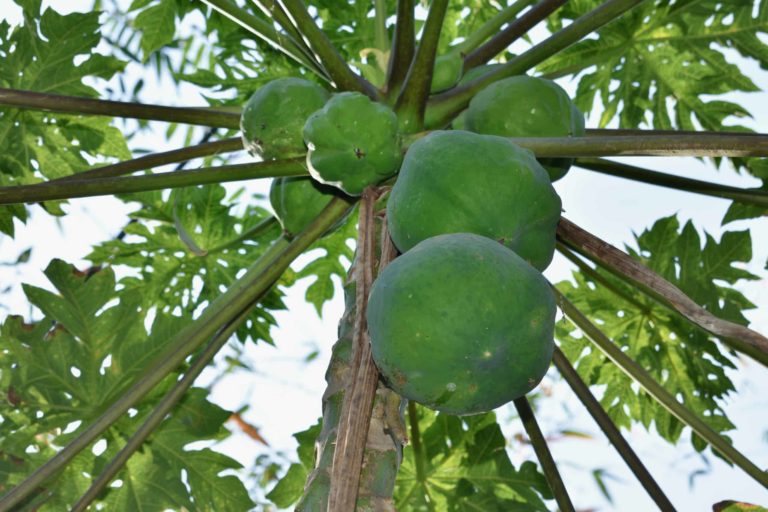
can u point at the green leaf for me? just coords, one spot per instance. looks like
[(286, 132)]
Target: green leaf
[(661, 58), (684, 359), (467, 468), (158, 26), (290, 487), (758, 167)]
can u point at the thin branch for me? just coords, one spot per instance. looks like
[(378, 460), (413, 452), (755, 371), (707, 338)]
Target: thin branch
[(757, 197), (160, 411), (248, 289), (157, 159), (53, 190), (491, 27), (203, 116), (364, 376), (257, 230), (443, 107), (591, 132), (548, 465), (736, 336), (273, 9), (403, 47), (266, 32), (330, 58), (647, 145), (610, 430), (512, 33), (411, 103), (655, 390)]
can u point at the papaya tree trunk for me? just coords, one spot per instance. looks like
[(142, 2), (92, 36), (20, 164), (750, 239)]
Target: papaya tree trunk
[(386, 433)]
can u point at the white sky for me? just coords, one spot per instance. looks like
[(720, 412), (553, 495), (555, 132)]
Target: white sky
[(284, 394)]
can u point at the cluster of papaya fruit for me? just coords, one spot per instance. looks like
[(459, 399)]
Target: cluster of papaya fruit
[(463, 320)]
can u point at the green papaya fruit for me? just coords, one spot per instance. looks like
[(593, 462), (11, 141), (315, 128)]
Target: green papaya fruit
[(353, 142), (526, 106), (460, 121), (447, 72), (463, 182), (461, 324), (296, 202), (273, 118)]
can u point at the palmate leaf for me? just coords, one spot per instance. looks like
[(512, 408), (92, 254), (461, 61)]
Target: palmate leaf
[(758, 167), (466, 468), (681, 357), (40, 55), (654, 64), (174, 274), (60, 372)]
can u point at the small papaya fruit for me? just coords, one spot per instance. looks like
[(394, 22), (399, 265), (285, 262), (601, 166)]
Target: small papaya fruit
[(526, 106), (297, 201), (460, 121), (461, 324), (353, 142), (461, 182), (273, 118), (447, 72)]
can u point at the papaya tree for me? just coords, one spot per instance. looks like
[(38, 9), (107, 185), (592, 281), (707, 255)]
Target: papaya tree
[(436, 137)]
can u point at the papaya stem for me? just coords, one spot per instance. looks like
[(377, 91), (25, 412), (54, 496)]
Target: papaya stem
[(738, 337), (157, 159), (756, 197), (380, 36), (273, 9), (546, 461), (364, 376), (491, 27), (267, 33), (655, 390), (610, 430), (160, 411), (257, 230), (53, 190), (514, 31), (341, 75), (647, 145), (592, 132), (443, 107), (403, 48), (418, 451), (411, 103), (259, 278), (203, 116)]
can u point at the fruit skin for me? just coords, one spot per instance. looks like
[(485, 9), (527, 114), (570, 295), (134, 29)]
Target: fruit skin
[(461, 324), (353, 142), (273, 118), (297, 201), (462, 182), (525, 106), (447, 72)]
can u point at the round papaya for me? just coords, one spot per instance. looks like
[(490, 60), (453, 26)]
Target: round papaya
[(296, 202), (447, 72), (461, 324), (353, 142), (273, 118), (462, 182), (526, 106), (460, 121)]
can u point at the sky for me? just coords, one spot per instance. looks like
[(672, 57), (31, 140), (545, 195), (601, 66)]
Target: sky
[(283, 393)]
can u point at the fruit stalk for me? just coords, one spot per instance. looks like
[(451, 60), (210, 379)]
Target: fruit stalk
[(736, 336), (613, 434), (541, 448), (655, 390), (73, 188), (248, 289), (203, 116)]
